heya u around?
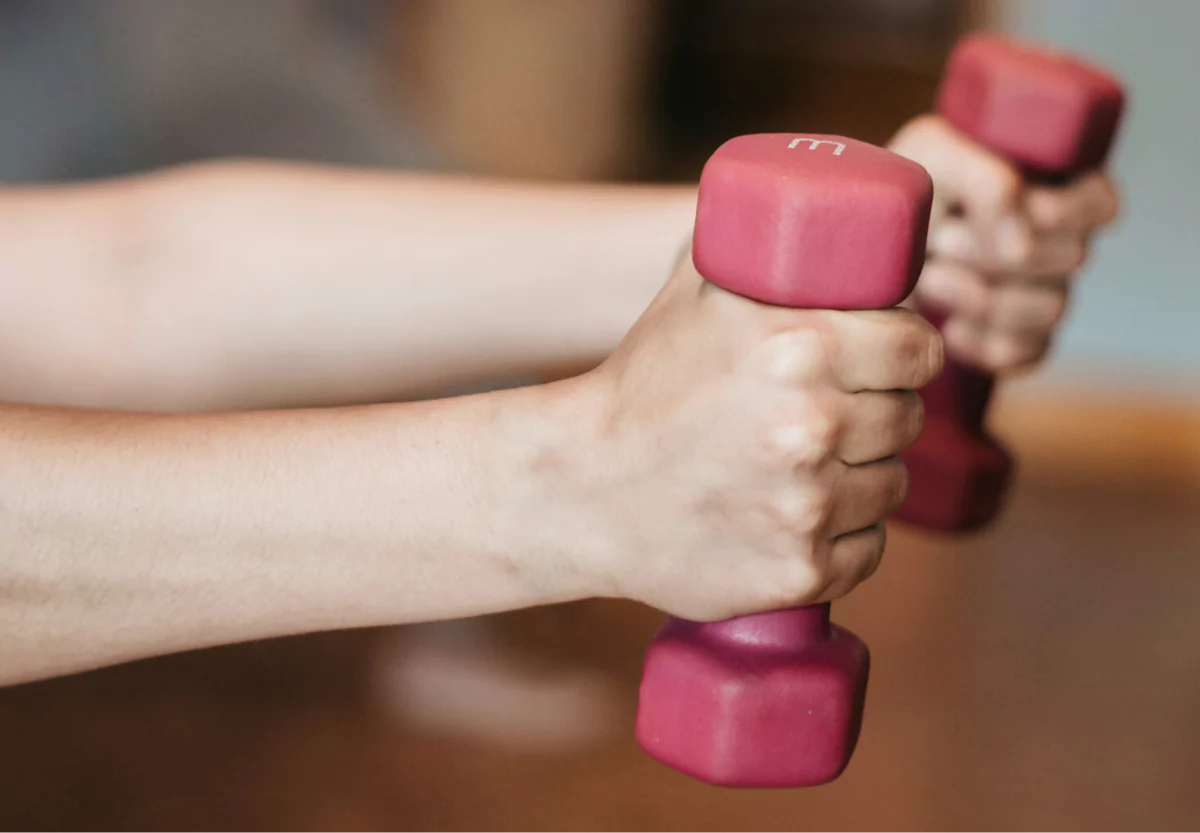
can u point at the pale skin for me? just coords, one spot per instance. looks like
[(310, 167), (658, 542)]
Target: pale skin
[(1001, 265), (240, 285), (722, 457)]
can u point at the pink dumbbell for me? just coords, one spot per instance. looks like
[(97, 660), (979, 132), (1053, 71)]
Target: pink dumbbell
[(1053, 117), (775, 699)]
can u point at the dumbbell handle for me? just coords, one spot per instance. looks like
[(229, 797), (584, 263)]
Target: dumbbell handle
[(961, 393)]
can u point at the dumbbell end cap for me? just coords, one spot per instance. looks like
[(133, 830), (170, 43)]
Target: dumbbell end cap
[(958, 479), (1051, 113), (812, 221), (763, 716)]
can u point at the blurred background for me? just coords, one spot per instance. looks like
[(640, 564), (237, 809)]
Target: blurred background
[(1042, 676)]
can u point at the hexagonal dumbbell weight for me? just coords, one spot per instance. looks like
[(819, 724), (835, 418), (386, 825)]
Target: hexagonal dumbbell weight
[(1053, 117), (775, 699)]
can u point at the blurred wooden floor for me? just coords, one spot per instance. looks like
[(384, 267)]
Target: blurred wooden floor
[(1046, 676)]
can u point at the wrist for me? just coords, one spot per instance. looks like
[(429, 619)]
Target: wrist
[(654, 237), (648, 236), (545, 460)]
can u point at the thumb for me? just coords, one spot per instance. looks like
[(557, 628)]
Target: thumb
[(972, 185)]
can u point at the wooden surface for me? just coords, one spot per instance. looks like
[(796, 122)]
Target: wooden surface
[(1044, 676)]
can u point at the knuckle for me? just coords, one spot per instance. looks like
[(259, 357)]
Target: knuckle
[(796, 355), (824, 430), (804, 511), (802, 439), (801, 510), (790, 509), (786, 440), (799, 580)]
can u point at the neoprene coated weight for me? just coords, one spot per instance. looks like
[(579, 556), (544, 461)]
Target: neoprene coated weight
[(1053, 117), (775, 699)]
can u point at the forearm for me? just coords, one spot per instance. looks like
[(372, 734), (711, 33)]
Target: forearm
[(241, 285), (129, 535)]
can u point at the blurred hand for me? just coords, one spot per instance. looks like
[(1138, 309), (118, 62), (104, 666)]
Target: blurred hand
[(1002, 251), (746, 456)]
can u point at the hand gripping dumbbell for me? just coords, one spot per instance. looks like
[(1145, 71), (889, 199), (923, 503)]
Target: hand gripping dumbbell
[(1053, 117), (822, 222)]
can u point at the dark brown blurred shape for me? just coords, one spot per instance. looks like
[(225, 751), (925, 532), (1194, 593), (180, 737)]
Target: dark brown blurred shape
[(618, 89)]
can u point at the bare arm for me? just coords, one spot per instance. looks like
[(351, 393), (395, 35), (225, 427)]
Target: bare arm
[(255, 285), (719, 462), (128, 535)]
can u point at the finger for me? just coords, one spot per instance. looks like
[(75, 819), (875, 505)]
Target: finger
[(1052, 257), (1005, 246), (1014, 352), (1027, 309), (965, 174), (991, 325), (973, 187), (866, 495), (1079, 207), (1042, 256), (853, 558), (966, 343), (955, 289), (990, 307), (955, 239), (878, 424), (990, 351), (882, 350)]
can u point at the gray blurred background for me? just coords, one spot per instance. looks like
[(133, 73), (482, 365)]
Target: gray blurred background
[(1134, 317)]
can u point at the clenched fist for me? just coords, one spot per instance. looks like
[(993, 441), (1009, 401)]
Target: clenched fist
[(744, 458), (1002, 252)]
